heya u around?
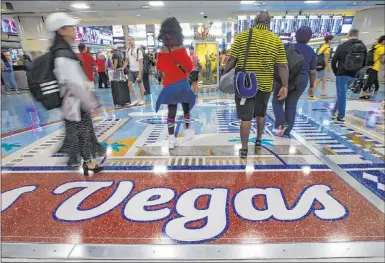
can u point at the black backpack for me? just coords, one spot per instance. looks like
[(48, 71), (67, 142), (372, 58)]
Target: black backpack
[(295, 61), (321, 61), (355, 57), (370, 57), (42, 81)]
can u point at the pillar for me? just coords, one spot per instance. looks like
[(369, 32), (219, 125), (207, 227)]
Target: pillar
[(125, 32)]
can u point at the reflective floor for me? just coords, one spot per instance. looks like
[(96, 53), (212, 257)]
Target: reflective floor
[(317, 195)]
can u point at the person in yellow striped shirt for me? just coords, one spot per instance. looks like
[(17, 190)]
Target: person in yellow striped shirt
[(266, 51)]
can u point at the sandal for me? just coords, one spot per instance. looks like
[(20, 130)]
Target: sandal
[(243, 153), (258, 144), (281, 130), (366, 97)]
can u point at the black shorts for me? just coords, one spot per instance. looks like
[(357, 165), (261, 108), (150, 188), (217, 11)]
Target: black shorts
[(194, 76), (255, 107)]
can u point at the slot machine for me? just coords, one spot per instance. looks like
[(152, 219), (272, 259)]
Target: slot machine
[(314, 24), (336, 24), (325, 25)]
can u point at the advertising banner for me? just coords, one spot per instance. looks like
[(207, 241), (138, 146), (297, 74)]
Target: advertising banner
[(150, 40), (117, 31), (105, 38), (88, 35), (207, 53)]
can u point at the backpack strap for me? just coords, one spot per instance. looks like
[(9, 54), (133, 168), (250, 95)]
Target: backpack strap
[(247, 49), (181, 68)]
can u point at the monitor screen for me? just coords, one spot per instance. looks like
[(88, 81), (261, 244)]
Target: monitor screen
[(88, 35)]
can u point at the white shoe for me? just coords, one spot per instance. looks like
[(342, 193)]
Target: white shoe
[(141, 103), (171, 142), (188, 134), (134, 103)]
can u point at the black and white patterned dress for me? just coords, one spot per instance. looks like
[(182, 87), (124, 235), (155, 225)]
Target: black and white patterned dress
[(80, 142)]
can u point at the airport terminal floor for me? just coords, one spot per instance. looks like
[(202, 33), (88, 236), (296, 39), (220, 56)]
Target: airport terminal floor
[(319, 195)]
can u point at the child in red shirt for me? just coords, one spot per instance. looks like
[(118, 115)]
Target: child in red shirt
[(175, 64)]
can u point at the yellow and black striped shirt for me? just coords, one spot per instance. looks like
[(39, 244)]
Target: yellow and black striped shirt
[(266, 50)]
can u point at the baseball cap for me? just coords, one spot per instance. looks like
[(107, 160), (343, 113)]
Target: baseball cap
[(56, 21)]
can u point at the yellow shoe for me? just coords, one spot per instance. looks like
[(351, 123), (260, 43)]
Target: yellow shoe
[(313, 98)]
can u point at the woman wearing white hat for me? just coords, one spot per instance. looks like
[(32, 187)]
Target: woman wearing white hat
[(78, 102)]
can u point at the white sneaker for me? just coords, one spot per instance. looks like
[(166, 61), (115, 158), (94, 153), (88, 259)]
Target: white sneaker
[(188, 134), (134, 103), (171, 142)]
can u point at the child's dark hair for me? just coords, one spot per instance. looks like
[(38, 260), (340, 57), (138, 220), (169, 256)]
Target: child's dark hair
[(170, 33), (328, 38)]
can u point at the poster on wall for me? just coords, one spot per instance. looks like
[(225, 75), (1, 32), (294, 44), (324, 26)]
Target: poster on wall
[(117, 31), (9, 26), (207, 53), (118, 36)]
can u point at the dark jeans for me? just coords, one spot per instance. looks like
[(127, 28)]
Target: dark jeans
[(287, 116), (372, 79), (146, 82), (103, 79)]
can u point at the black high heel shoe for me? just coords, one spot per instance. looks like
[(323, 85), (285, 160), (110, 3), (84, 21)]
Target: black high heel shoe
[(96, 170)]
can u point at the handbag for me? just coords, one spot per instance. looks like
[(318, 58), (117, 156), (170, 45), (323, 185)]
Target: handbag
[(230, 80), (245, 83)]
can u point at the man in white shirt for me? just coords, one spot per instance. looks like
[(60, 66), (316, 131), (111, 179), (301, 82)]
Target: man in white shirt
[(134, 59)]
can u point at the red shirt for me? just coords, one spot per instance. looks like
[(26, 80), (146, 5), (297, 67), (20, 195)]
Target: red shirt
[(88, 61), (101, 65), (171, 72)]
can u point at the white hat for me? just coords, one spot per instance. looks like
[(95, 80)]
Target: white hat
[(56, 21), (114, 47)]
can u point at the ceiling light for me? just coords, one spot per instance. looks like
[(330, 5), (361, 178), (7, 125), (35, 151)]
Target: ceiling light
[(137, 15), (311, 2), (202, 13), (247, 2), (80, 6), (156, 3), (230, 18), (145, 6), (259, 3)]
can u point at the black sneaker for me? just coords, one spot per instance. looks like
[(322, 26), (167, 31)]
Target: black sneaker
[(243, 153), (340, 120), (258, 144)]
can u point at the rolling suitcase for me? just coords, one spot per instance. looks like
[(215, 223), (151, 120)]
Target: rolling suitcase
[(119, 88)]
